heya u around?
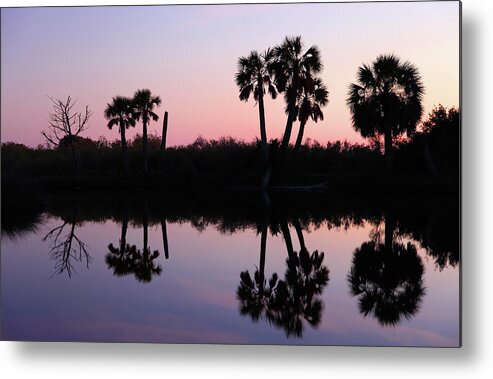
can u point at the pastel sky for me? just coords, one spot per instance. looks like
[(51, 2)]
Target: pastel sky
[(188, 56)]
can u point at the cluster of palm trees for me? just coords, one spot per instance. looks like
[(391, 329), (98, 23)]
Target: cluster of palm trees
[(125, 112), (289, 69), (386, 100)]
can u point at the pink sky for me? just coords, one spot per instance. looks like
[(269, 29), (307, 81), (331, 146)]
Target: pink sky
[(188, 56)]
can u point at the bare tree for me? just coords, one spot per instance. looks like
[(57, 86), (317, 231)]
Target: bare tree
[(65, 125)]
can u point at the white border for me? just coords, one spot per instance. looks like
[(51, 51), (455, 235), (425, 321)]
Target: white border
[(71, 360)]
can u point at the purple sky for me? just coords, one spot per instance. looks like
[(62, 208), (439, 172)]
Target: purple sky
[(188, 56)]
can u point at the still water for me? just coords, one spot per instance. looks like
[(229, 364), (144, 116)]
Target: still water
[(313, 273)]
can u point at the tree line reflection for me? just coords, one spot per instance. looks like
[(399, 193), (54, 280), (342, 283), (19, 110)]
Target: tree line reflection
[(386, 274)]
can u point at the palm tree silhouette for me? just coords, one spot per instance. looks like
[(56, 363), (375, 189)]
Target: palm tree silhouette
[(297, 297), (144, 103), (253, 76), (313, 97), (127, 259), (285, 303), (386, 100), (387, 277), (255, 293), (119, 112), (292, 67), (130, 260)]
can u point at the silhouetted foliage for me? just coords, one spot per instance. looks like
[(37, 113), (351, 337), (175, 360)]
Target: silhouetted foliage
[(120, 112), (130, 260), (436, 148), (285, 303), (253, 76), (388, 281), (313, 96), (386, 100), (293, 68), (144, 103)]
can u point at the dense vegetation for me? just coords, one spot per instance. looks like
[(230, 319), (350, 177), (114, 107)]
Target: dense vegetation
[(429, 161), (385, 104)]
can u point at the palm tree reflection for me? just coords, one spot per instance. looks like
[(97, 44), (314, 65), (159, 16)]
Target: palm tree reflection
[(286, 302), (387, 278), (130, 260), (126, 259)]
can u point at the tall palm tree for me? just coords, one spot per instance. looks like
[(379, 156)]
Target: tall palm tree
[(253, 77), (313, 97), (144, 103), (292, 67), (386, 100), (119, 112)]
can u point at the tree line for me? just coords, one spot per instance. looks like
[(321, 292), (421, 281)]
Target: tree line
[(385, 100), (385, 103)]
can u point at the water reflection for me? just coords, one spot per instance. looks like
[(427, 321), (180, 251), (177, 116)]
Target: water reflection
[(126, 259), (286, 303), (387, 277), (129, 260), (66, 247)]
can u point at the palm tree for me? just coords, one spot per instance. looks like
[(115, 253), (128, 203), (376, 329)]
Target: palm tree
[(119, 112), (388, 281), (386, 100), (144, 103), (253, 77), (313, 97), (130, 260), (292, 67), (285, 303)]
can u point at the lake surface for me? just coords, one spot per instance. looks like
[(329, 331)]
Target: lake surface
[(236, 271)]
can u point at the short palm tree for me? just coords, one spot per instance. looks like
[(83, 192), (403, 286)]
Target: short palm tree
[(119, 112), (253, 77), (386, 100), (314, 96), (144, 103), (292, 67)]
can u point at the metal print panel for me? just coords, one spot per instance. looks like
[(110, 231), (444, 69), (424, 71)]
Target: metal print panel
[(238, 174)]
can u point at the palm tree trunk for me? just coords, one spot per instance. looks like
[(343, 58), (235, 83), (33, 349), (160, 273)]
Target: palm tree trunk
[(287, 240), (299, 232), (261, 111), (289, 127), (263, 246), (162, 149), (123, 238), (144, 144), (124, 147), (299, 139), (165, 238), (145, 225)]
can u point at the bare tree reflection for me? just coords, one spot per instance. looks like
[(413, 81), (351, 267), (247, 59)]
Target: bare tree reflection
[(66, 247)]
